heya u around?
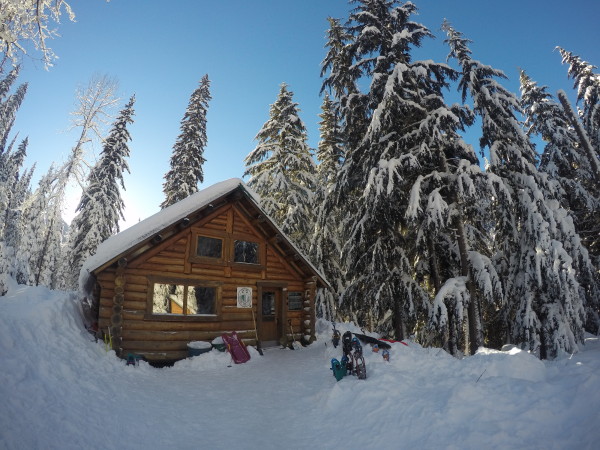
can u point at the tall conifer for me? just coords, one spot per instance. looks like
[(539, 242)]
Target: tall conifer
[(188, 152), (282, 171), (535, 239), (101, 205)]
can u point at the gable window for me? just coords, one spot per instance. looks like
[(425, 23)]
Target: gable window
[(209, 247), (245, 252), (184, 299)]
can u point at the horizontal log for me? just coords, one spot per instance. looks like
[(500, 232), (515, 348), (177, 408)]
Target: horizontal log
[(129, 314), (136, 296), (105, 312), (166, 260), (206, 272), (209, 328), (163, 268), (157, 356), (139, 289), (156, 346), (135, 305), (157, 335)]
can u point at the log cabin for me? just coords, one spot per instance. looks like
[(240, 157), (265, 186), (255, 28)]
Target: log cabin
[(211, 263)]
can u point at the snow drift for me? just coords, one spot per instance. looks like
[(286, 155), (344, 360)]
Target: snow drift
[(62, 390)]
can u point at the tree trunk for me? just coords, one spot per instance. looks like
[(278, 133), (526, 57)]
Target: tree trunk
[(474, 318), (475, 334), (398, 321), (437, 285)]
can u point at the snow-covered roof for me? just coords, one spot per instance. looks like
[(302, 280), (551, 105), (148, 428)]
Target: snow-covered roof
[(120, 243)]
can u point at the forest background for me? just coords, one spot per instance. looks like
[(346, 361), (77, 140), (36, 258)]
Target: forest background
[(524, 266)]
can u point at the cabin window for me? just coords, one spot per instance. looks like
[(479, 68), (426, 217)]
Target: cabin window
[(168, 299), (294, 301), (245, 252), (209, 247), (268, 305), (185, 299), (202, 299)]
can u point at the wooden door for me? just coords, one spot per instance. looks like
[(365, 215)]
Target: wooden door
[(270, 316)]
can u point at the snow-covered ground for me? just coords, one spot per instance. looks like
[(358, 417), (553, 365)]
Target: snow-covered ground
[(61, 390)]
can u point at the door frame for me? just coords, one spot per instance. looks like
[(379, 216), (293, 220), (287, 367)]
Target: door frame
[(280, 314)]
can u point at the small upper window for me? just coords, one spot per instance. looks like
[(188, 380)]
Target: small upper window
[(209, 247), (245, 252)]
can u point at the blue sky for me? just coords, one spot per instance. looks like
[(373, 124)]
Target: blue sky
[(159, 51)]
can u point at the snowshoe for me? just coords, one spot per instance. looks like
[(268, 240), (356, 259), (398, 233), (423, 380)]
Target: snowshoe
[(347, 364), (356, 345), (359, 367), (338, 369)]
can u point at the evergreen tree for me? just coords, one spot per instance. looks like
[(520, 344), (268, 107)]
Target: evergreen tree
[(587, 84), (101, 205), (535, 239), (16, 188), (282, 171), (12, 186), (567, 164), (402, 138), (325, 246), (188, 152), (42, 235)]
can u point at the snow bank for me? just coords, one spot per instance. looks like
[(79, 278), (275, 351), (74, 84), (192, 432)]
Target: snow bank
[(62, 390)]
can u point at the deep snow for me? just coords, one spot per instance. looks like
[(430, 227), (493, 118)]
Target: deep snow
[(61, 390)]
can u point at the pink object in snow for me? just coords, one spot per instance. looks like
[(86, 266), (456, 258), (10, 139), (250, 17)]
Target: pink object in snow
[(235, 346)]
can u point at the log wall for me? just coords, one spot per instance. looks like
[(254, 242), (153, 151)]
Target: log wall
[(137, 330)]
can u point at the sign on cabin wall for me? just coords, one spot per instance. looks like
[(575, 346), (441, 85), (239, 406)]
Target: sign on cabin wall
[(244, 297)]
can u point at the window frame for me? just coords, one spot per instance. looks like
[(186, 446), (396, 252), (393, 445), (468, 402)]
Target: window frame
[(228, 250), (186, 283), (258, 256), (194, 257), (262, 254), (301, 293)]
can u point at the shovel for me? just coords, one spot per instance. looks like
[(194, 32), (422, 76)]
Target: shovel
[(293, 336), (260, 352)]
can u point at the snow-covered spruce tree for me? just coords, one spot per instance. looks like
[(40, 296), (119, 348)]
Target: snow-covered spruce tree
[(16, 188), (375, 249), (188, 152), (325, 246), (9, 104), (341, 80), (43, 234), (11, 177), (587, 84), (411, 145), (282, 171), (566, 162), (535, 239), (101, 205)]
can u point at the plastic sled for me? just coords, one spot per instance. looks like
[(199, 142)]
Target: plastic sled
[(237, 349)]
